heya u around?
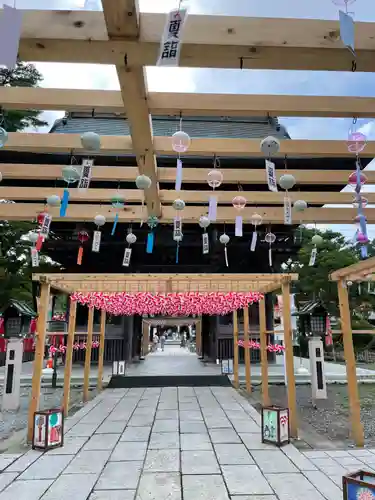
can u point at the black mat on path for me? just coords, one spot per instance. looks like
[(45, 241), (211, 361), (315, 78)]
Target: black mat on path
[(119, 381)]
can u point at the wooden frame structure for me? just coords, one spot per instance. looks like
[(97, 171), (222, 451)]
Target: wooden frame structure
[(159, 283), (361, 271)]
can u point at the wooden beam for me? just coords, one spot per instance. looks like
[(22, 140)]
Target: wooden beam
[(101, 350), (121, 19), (246, 338), (236, 381), (69, 356), (364, 266), (263, 352), (86, 374), (190, 175), (191, 104), (190, 197), (351, 373), (66, 143), (191, 214)]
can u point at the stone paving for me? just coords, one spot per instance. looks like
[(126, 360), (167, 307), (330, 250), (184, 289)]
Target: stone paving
[(173, 444)]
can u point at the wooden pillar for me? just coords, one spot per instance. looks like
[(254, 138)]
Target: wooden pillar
[(351, 374), (69, 355), (146, 337), (101, 350), (263, 351), (86, 377), (236, 381), (246, 339), (198, 337), (289, 360), (39, 356)]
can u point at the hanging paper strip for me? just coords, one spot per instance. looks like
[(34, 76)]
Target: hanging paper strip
[(270, 256), (114, 224), (177, 228), (10, 35), (44, 230), (64, 202), (254, 241), (313, 255), (178, 183), (177, 251), (226, 256), (271, 176), (39, 242), (347, 31), (86, 172), (170, 48), (80, 255), (127, 257), (238, 227), (205, 244), (97, 237), (34, 257), (287, 211), (212, 208), (150, 242)]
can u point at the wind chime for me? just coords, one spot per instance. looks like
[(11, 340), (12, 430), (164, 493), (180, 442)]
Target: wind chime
[(214, 180), (224, 240), (270, 239), (130, 240), (33, 237), (99, 221), (180, 144), (143, 182), (178, 205), (256, 220), (270, 146), (204, 222), (317, 241), (83, 237), (70, 175), (287, 182), (239, 203), (118, 204), (152, 223)]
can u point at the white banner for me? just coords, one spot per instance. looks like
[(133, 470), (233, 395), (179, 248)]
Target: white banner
[(205, 244), (44, 230), (271, 176), (177, 229), (127, 257), (84, 181), (313, 256), (34, 257), (287, 211), (170, 48), (96, 241)]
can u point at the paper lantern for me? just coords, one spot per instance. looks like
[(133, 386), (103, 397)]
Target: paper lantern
[(99, 220), (3, 137), (275, 425), (204, 222), (90, 141), (239, 202), (352, 180), (270, 238), (270, 146), (143, 182), (131, 238), (48, 432), (317, 240), (178, 204), (256, 220), (364, 201), (180, 141), (215, 178), (356, 142), (300, 205), (53, 200), (287, 181)]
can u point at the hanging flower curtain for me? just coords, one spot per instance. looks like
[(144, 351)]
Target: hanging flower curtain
[(278, 348), (179, 304)]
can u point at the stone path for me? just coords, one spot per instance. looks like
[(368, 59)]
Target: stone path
[(173, 444)]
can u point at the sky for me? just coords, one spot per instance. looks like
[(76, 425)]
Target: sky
[(233, 81)]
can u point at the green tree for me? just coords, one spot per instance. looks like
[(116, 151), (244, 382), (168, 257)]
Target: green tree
[(23, 75)]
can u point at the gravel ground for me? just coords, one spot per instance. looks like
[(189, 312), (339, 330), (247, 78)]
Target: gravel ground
[(331, 419), (11, 422)]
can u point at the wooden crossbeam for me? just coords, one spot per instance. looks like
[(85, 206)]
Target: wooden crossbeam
[(244, 42), (190, 197), (165, 103), (191, 214), (190, 175), (121, 19), (360, 268), (66, 143)]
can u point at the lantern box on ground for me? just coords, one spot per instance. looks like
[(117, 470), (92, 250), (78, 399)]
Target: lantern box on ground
[(359, 485), (118, 368), (275, 425), (227, 366), (48, 429)]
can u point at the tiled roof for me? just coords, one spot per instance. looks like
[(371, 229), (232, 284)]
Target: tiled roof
[(210, 127)]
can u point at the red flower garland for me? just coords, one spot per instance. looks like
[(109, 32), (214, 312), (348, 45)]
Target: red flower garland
[(76, 346), (171, 304), (278, 348)]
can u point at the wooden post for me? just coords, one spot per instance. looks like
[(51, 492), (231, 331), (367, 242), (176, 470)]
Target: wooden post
[(351, 375), (289, 360), (246, 339), (198, 337), (263, 351), (86, 377), (236, 381), (146, 337), (69, 355), (39, 357), (101, 350)]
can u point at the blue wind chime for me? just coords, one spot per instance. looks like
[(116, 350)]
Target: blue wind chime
[(118, 204), (152, 223)]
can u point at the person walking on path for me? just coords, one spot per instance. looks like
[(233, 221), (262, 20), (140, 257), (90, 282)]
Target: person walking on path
[(162, 341)]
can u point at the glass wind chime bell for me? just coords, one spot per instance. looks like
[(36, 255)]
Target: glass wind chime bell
[(143, 182), (70, 175), (130, 240), (224, 240), (152, 223), (239, 203), (178, 205), (180, 144), (83, 237), (214, 180), (270, 239), (118, 204), (204, 222)]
